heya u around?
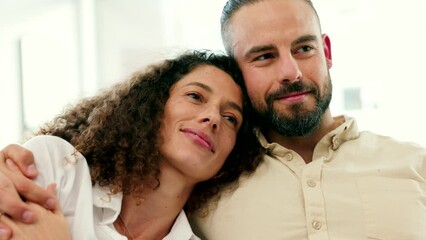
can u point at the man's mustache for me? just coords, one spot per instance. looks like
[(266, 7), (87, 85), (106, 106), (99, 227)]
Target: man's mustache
[(290, 88)]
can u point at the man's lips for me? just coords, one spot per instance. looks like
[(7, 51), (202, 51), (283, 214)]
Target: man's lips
[(199, 138), (294, 96)]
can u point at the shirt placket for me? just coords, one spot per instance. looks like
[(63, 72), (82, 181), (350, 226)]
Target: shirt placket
[(314, 200)]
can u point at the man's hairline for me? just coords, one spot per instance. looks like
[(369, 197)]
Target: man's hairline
[(226, 32)]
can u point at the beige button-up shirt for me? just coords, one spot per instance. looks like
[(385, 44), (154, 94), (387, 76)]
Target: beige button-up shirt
[(359, 186)]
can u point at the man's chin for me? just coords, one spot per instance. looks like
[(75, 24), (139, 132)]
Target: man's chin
[(294, 115)]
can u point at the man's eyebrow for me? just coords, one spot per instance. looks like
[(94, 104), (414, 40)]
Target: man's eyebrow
[(258, 49), (307, 38), (263, 48)]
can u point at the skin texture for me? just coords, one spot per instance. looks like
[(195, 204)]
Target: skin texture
[(201, 120), (12, 182), (276, 53), (204, 106), (41, 226)]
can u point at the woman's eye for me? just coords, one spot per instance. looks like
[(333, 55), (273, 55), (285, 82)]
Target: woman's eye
[(195, 96), (231, 119)]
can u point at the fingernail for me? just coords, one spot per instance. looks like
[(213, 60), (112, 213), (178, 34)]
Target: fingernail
[(32, 170), (54, 187), (27, 216), (50, 203), (4, 234), (10, 164)]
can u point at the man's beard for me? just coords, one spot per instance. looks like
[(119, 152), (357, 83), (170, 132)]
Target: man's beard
[(300, 122)]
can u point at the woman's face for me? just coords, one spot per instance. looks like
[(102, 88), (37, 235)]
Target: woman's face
[(201, 119)]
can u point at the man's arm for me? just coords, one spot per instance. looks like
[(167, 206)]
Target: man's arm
[(16, 171), (49, 225)]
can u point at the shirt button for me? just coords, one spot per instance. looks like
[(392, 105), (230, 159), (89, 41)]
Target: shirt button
[(316, 225), (289, 156), (311, 183)]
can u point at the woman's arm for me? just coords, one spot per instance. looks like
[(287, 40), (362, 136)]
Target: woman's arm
[(59, 162)]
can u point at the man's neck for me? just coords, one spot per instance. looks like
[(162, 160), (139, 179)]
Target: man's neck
[(305, 145)]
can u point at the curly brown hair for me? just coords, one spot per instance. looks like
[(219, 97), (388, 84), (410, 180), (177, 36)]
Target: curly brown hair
[(117, 130)]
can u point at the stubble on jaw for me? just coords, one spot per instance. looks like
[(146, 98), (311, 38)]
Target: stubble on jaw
[(299, 122)]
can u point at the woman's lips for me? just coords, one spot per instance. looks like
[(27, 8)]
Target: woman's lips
[(199, 138)]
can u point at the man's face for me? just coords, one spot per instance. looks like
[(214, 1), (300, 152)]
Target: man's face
[(285, 62)]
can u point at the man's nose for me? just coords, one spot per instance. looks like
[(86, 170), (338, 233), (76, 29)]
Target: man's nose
[(289, 69)]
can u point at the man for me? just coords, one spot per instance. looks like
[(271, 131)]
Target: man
[(321, 178)]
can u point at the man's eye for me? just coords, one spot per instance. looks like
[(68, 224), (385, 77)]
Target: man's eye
[(303, 49), (263, 57)]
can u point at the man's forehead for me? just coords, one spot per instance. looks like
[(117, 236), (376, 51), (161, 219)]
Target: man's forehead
[(248, 31)]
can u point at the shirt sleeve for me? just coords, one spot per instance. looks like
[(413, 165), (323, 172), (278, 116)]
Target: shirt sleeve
[(59, 162)]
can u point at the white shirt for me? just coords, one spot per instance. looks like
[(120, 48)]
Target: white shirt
[(90, 211)]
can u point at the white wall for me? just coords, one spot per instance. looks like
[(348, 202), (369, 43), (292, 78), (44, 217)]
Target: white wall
[(377, 47), (134, 34), (38, 47)]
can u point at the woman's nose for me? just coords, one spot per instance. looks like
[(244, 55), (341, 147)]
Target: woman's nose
[(210, 121), (212, 117)]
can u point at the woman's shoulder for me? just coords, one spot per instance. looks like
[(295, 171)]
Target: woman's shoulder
[(52, 144), (52, 150), (47, 140)]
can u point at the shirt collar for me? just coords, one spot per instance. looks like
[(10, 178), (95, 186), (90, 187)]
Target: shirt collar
[(348, 130), (181, 229), (110, 205)]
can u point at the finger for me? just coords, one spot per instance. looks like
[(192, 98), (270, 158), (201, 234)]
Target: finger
[(27, 188), (5, 232), (48, 226), (33, 192), (11, 203), (23, 158), (9, 226), (52, 189)]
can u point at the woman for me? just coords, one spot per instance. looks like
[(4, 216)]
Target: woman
[(153, 145)]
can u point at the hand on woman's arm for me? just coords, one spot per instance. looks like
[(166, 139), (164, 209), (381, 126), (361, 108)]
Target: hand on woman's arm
[(16, 171), (48, 225)]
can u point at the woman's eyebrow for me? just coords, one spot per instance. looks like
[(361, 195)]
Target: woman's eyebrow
[(235, 106), (201, 85)]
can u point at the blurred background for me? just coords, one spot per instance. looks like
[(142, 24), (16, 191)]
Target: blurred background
[(53, 52)]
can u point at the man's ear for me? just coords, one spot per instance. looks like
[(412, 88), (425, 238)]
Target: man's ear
[(327, 50)]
